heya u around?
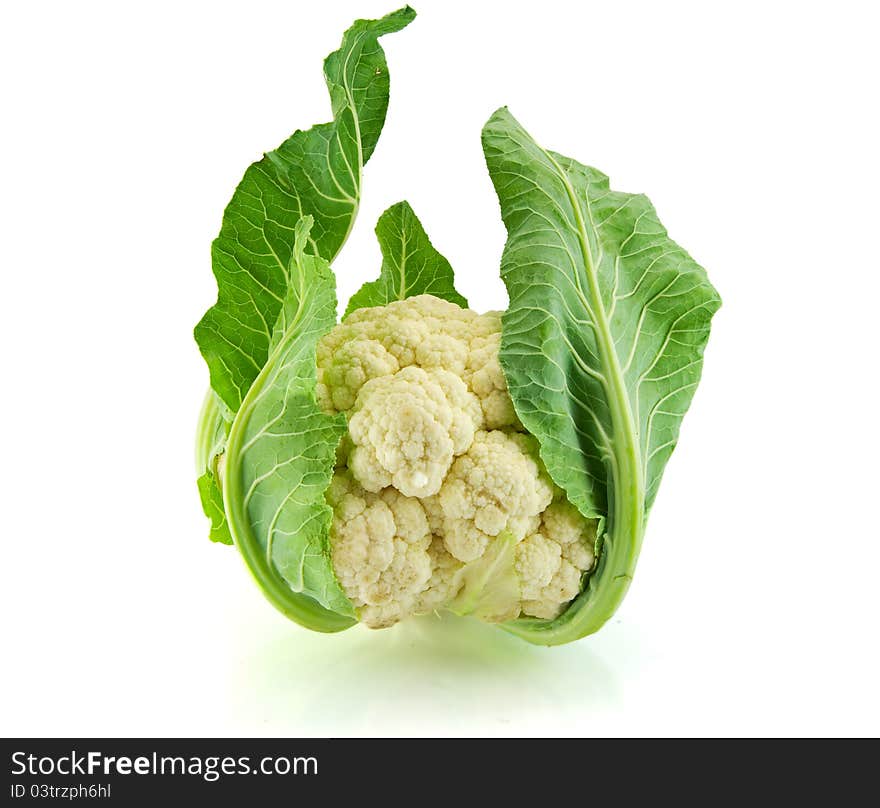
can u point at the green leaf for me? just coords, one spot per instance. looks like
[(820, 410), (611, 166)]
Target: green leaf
[(280, 457), (315, 172), (212, 505), (602, 347), (410, 264)]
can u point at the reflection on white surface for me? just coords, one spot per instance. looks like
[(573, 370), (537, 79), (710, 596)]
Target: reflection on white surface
[(426, 676)]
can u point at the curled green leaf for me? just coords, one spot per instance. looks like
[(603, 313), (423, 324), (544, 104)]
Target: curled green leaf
[(315, 172)]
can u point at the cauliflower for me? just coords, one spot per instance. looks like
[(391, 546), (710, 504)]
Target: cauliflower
[(439, 499), (486, 378), (379, 550), (381, 467), (406, 428), (497, 485)]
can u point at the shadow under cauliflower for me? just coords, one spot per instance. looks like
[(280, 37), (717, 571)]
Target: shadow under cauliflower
[(439, 497)]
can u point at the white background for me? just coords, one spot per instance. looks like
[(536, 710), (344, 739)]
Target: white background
[(752, 128)]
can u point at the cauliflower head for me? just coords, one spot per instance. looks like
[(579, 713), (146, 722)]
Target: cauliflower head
[(439, 498)]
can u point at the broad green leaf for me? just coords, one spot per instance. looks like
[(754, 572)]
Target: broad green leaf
[(410, 264), (602, 347), (280, 455), (315, 172)]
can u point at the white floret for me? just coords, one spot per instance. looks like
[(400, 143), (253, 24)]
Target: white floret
[(496, 485), (344, 369), (379, 549), (486, 379), (424, 331), (408, 427), (537, 561), (562, 523), (445, 580), (552, 563)]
